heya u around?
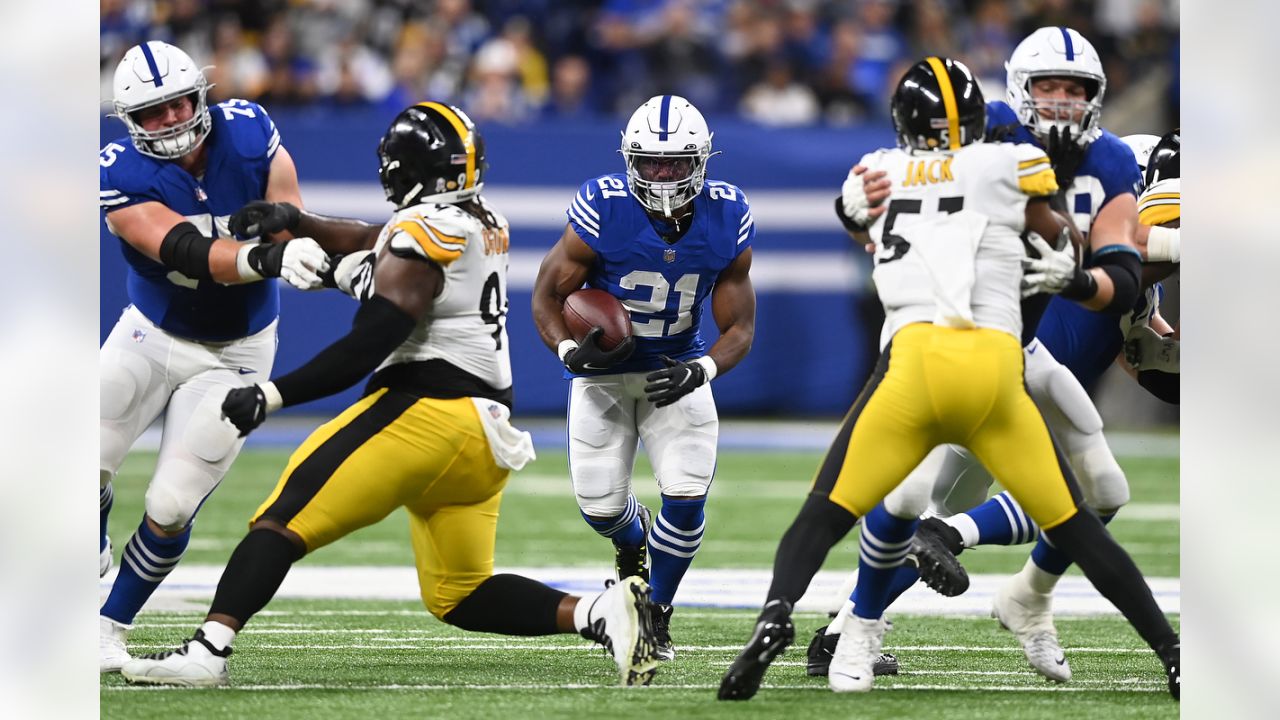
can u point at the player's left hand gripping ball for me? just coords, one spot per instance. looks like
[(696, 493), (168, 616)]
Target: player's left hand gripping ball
[(245, 407), (674, 381)]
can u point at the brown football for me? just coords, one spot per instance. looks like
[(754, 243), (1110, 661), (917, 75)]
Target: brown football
[(585, 309)]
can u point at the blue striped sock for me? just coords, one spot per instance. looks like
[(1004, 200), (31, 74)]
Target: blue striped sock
[(624, 529), (674, 539), (147, 559), (106, 496), (1001, 521), (882, 547), (1052, 560)]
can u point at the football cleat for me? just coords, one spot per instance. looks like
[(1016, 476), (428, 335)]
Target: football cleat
[(662, 631), (853, 663), (629, 561), (104, 560), (196, 664), (933, 553), (112, 654), (1172, 659), (1028, 615), (621, 619), (772, 634), (823, 646)]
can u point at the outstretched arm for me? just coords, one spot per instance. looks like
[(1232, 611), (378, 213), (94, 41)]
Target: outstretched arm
[(733, 304)]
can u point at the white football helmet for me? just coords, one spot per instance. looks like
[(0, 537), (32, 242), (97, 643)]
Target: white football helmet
[(153, 73), (1056, 52), (666, 129), (1141, 145)]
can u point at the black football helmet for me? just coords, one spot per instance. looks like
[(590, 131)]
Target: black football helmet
[(1163, 161), (938, 106), (431, 153)]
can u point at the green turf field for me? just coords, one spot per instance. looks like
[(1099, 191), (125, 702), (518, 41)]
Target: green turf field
[(356, 658)]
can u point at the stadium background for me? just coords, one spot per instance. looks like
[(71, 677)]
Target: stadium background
[(794, 91)]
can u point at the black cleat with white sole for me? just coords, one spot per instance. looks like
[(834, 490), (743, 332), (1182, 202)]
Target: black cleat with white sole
[(773, 633), (823, 646), (933, 553)]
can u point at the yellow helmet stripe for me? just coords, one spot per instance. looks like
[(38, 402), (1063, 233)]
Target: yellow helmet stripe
[(468, 139), (948, 100)]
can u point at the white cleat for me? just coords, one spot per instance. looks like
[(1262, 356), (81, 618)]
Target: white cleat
[(196, 664), (104, 560), (853, 663), (1029, 615), (621, 620), (112, 653)]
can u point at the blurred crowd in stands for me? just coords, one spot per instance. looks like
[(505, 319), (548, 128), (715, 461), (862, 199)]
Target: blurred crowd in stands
[(778, 62)]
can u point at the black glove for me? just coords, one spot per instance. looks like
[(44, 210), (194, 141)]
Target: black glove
[(590, 356), (246, 408), (1002, 133), (1066, 155), (260, 218), (673, 382)]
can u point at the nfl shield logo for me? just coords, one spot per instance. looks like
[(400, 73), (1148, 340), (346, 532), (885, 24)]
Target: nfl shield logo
[(200, 195), (139, 335), (669, 255)]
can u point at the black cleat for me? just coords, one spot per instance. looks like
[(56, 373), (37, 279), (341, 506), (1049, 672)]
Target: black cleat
[(773, 633), (823, 646), (629, 561), (662, 631), (1172, 659), (933, 553)]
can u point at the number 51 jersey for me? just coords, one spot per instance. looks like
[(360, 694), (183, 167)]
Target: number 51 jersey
[(662, 285), (948, 248)]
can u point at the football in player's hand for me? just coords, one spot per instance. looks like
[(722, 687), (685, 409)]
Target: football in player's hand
[(585, 309)]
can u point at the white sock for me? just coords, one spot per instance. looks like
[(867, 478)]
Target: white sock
[(1038, 580), (967, 528), (837, 622), (218, 635), (582, 611)]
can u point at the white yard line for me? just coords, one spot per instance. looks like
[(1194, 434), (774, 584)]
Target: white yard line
[(721, 588), (1120, 686)]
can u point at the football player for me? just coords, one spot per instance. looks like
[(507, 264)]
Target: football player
[(1055, 91), (203, 306), (432, 433), (661, 238), (949, 273)]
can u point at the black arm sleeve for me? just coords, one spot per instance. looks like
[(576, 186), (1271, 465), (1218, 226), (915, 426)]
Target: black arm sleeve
[(849, 223), (378, 328), (1161, 384), (186, 250), (1124, 266)]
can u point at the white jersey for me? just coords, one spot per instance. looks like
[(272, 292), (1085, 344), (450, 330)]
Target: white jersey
[(948, 249), (466, 326)]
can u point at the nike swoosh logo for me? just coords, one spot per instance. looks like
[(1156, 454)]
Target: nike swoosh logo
[(589, 366), (246, 371), (1062, 660), (1032, 349), (589, 195)]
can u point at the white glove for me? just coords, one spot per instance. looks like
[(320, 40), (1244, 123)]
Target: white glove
[(853, 199), (1053, 270), (302, 264), (1146, 349)]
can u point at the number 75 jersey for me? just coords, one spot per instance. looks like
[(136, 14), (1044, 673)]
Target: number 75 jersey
[(948, 248), (662, 285), (467, 324)]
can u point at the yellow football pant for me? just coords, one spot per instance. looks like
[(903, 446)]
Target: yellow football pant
[(392, 450), (946, 385)]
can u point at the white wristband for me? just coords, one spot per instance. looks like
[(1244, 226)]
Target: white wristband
[(564, 347), (247, 273), (709, 366), (274, 401), (1164, 244)]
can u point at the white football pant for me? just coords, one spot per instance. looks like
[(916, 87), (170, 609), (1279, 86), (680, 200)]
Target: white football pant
[(609, 413), (145, 371)]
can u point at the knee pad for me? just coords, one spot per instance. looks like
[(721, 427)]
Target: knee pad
[(208, 436), (911, 497), (1051, 384), (104, 477), (687, 466), (601, 485), (173, 503), (1102, 482), (123, 378), (970, 483)]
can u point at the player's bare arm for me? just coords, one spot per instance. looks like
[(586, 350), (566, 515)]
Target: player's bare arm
[(145, 227), (733, 304), (563, 270)]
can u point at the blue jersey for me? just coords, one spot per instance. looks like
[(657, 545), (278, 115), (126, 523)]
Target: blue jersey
[(1083, 340), (240, 146), (662, 285)]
